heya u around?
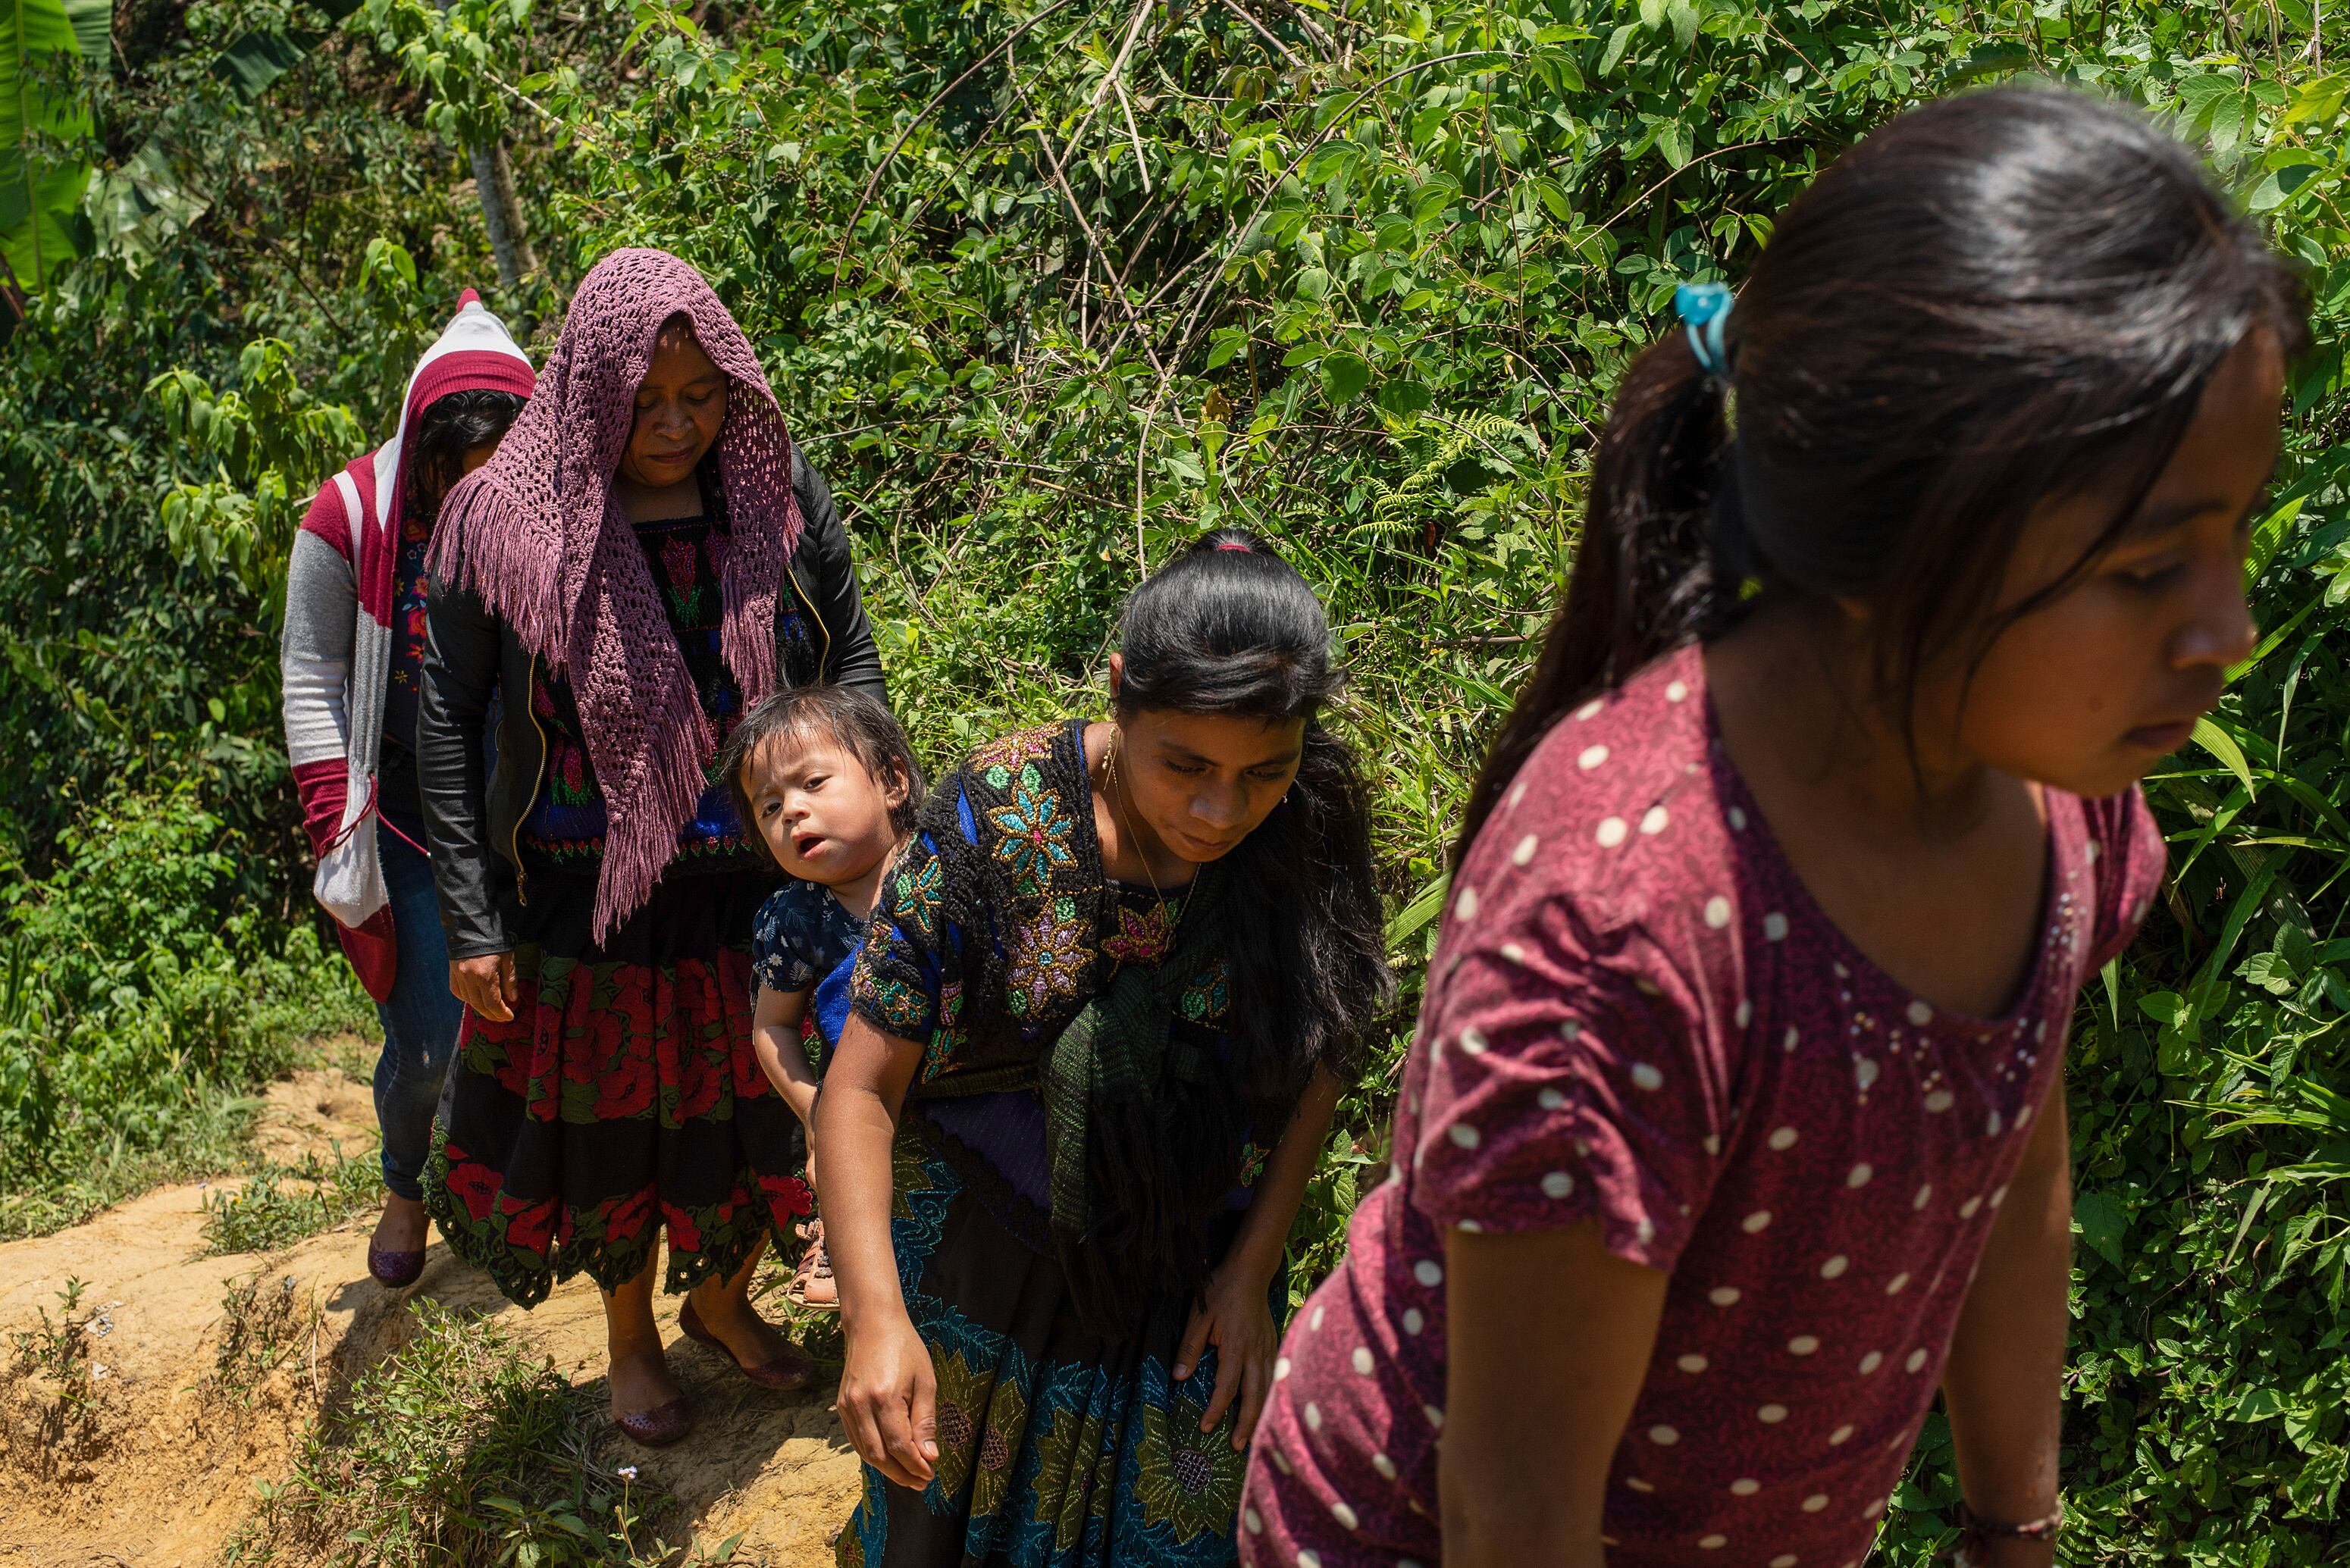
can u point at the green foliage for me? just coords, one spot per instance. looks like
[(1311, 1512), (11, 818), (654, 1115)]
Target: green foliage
[(44, 123), (1045, 292), (228, 239), (271, 445), (456, 1449), (134, 1001), (284, 1203), (465, 51)]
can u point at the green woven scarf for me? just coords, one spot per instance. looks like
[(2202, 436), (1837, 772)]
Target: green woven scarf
[(1121, 1048)]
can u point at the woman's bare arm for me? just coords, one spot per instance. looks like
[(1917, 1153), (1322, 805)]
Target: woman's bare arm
[(2003, 1384), (1548, 1337), (1281, 1188), (1232, 1313), (888, 1393)]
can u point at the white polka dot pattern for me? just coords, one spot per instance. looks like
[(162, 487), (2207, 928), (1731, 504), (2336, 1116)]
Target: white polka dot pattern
[(1636, 1015)]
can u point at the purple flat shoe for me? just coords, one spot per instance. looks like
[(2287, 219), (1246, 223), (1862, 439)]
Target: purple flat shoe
[(659, 1426), (394, 1270), (786, 1374)]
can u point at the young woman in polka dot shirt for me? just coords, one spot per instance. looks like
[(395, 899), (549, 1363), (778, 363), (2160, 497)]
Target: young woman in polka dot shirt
[(1733, 1132)]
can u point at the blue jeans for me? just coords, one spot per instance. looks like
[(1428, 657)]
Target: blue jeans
[(420, 1019)]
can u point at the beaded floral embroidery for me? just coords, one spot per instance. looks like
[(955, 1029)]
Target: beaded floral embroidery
[(1047, 958), (921, 890), (1142, 935), (1036, 828)]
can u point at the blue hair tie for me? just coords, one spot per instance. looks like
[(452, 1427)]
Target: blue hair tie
[(1704, 310)]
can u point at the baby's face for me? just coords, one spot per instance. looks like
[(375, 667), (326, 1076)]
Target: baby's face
[(825, 819)]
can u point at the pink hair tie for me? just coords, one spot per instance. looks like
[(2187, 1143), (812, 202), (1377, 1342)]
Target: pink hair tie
[(1243, 549)]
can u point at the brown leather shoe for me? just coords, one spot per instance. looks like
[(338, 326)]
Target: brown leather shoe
[(786, 1374), (659, 1426)]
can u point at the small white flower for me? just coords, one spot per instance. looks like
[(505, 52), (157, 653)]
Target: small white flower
[(627, 1473)]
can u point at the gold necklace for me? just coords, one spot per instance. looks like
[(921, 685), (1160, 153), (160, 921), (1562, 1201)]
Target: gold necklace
[(1125, 825)]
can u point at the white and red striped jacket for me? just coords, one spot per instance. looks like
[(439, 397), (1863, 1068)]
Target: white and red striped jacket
[(336, 655)]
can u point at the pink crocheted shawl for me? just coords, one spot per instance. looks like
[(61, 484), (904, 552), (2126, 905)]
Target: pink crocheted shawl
[(537, 534)]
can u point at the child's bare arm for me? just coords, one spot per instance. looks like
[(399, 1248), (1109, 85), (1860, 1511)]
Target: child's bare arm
[(1537, 1395), (2004, 1380), (775, 1041)]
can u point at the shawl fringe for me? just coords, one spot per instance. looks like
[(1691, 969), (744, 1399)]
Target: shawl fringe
[(537, 534)]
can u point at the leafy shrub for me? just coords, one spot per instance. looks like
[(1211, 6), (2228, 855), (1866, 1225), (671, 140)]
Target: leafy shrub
[(54, 1417), (262, 1326), (135, 1008)]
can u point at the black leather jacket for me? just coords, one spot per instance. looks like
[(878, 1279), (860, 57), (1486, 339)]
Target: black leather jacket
[(471, 657)]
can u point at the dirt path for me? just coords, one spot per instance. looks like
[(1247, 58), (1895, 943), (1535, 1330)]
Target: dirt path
[(176, 1450)]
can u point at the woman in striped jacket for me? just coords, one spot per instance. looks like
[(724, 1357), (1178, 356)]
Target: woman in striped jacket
[(353, 648)]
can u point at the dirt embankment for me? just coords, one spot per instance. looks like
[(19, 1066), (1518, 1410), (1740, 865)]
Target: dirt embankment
[(204, 1372)]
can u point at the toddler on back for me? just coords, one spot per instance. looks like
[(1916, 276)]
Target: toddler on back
[(826, 782)]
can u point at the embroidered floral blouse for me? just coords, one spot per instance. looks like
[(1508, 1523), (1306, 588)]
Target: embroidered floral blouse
[(985, 981), (1026, 804)]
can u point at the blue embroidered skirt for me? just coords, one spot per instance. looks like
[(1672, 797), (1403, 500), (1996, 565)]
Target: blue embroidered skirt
[(1056, 1451)]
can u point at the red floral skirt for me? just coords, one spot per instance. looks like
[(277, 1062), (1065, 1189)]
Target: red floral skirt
[(621, 1100)]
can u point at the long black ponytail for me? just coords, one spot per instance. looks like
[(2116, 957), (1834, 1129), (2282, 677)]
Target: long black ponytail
[(1994, 301)]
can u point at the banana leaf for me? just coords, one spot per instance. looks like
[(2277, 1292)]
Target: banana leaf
[(43, 117)]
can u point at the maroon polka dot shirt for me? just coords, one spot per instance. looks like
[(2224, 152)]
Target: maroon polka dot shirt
[(1637, 1016)]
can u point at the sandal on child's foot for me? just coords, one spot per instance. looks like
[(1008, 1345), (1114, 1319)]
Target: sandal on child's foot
[(811, 1284), (786, 1374)]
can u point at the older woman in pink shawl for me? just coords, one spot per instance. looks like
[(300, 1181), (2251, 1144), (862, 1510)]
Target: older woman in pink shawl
[(646, 558)]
